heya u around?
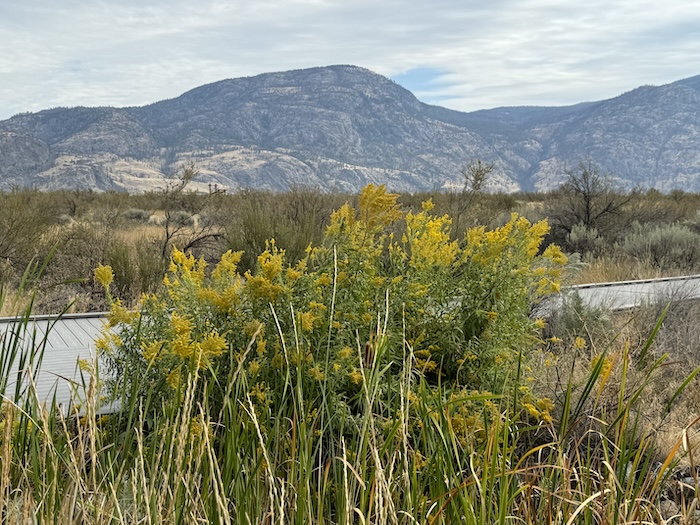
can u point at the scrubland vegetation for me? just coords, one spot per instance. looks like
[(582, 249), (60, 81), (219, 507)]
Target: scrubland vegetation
[(618, 236), (312, 358)]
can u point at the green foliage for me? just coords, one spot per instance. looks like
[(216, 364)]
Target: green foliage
[(294, 219), (150, 268), (137, 215), (461, 307), (574, 320), (80, 247), (119, 257), (138, 269), (665, 246), (244, 220), (22, 227), (586, 241)]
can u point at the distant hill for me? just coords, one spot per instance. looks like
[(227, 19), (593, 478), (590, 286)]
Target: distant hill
[(341, 127)]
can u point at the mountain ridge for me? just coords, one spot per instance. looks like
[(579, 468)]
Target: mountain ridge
[(340, 127)]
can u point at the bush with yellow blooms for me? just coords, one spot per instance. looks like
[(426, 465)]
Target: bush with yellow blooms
[(458, 308)]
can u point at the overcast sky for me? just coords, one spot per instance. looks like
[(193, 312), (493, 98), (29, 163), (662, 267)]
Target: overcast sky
[(462, 54)]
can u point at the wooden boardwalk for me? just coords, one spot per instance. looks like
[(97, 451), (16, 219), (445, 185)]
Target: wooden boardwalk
[(61, 342)]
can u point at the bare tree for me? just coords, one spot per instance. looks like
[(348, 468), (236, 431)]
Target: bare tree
[(590, 200), (186, 221), (475, 175)]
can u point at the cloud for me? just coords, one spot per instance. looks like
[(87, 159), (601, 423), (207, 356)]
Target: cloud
[(466, 55)]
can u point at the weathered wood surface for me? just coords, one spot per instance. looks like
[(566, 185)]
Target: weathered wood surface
[(630, 294), (61, 343)]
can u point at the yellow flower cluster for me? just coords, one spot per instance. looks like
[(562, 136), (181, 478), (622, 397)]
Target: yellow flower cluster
[(363, 231), (152, 350), (198, 427), (342, 221), (457, 304), (104, 275), (487, 247), (377, 207), (606, 366), (186, 266), (316, 373), (107, 342), (266, 285), (423, 361), (554, 254), (120, 315), (428, 240), (539, 409), (355, 377), (181, 344), (227, 268), (307, 320)]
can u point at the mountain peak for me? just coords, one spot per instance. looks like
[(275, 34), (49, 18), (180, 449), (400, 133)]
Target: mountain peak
[(340, 127), (345, 78)]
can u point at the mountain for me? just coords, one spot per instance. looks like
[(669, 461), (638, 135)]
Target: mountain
[(341, 127)]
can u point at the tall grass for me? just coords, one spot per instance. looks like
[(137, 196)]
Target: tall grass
[(406, 458)]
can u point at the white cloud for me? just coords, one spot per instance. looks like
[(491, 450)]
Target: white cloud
[(502, 52)]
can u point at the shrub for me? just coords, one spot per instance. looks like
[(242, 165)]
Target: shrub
[(137, 215), (119, 257), (591, 198), (182, 218), (22, 228), (584, 240), (574, 320), (79, 248), (666, 246), (361, 297), (150, 265), (293, 219)]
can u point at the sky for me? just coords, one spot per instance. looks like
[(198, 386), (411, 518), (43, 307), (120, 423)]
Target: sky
[(462, 54)]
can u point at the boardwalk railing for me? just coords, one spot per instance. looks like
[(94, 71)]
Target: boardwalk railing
[(624, 295)]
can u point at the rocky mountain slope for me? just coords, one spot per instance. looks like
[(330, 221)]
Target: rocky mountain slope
[(341, 127)]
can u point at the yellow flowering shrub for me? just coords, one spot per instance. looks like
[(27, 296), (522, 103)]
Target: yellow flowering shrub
[(458, 308)]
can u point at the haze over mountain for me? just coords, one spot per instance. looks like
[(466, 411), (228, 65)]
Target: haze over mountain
[(341, 127)]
